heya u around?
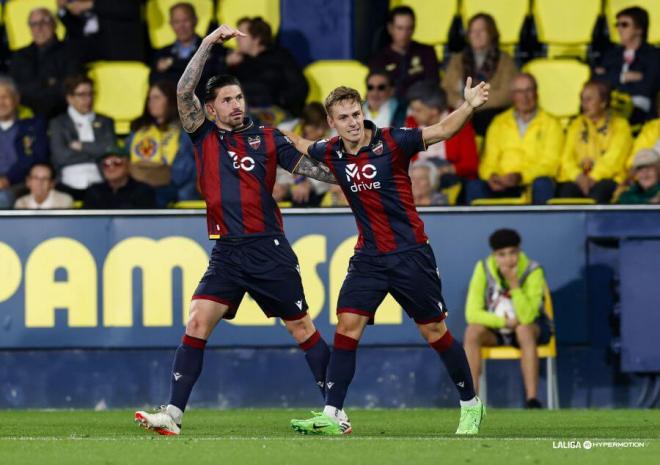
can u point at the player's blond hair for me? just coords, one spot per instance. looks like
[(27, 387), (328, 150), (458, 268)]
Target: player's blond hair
[(341, 94)]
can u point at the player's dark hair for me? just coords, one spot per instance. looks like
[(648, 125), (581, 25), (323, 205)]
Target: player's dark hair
[(491, 27), (603, 89), (503, 238), (341, 94), (380, 72), (71, 83), (400, 10), (190, 9), (261, 30), (46, 165), (218, 82), (429, 93), (168, 89), (640, 18)]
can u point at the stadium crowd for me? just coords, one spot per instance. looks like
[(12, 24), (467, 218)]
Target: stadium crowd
[(56, 152)]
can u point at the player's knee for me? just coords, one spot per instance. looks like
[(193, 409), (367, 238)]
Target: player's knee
[(431, 332), (301, 329)]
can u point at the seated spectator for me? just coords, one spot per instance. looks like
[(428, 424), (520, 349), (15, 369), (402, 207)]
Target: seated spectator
[(404, 59), (505, 306), (381, 106), (170, 62), (646, 188), (424, 178), (79, 138), (40, 68), (43, 196), (648, 138), (596, 149), (269, 75), (634, 66), (119, 190), (23, 142), (482, 60), (523, 148), (105, 29), (161, 152), (456, 159), (308, 192)]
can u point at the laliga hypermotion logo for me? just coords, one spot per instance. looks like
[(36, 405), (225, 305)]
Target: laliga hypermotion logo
[(246, 163), (362, 178)]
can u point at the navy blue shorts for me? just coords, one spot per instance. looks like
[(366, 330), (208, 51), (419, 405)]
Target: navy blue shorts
[(411, 277), (264, 267), (545, 333)]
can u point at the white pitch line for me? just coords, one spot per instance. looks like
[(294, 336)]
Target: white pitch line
[(307, 438)]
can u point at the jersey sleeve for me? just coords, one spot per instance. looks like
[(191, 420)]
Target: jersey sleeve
[(410, 140), (288, 156), (317, 150)]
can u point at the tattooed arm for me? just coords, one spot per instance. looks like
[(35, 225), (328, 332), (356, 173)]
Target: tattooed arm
[(191, 110), (314, 169)]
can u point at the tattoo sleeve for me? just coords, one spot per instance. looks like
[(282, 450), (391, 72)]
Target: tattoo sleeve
[(191, 111), (314, 169)]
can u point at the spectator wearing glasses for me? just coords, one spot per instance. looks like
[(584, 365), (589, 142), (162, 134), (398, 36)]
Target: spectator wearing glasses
[(119, 190), (634, 66), (40, 68), (79, 138), (43, 196), (381, 106)]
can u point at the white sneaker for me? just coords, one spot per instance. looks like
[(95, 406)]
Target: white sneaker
[(159, 421)]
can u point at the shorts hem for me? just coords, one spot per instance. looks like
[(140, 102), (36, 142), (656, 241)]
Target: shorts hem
[(435, 319)]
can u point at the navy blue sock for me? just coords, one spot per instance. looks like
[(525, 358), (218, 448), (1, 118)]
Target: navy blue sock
[(340, 370), (453, 356), (317, 355), (186, 369)]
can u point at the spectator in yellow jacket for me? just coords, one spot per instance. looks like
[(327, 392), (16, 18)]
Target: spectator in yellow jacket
[(648, 138), (505, 306), (523, 148), (597, 147)]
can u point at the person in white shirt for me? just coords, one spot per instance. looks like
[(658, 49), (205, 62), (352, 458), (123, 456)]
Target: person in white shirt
[(43, 196), (79, 138)]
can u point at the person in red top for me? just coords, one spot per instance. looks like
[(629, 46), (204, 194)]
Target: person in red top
[(456, 158)]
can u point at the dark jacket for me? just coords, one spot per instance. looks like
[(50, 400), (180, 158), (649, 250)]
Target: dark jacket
[(418, 64), (63, 131), (133, 195), (39, 73), (636, 195), (121, 34), (273, 78), (31, 147)]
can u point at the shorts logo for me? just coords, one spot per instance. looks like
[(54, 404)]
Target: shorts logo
[(177, 376), (245, 163), (255, 142), (378, 148), (330, 384), (362, 177), (299, 304)]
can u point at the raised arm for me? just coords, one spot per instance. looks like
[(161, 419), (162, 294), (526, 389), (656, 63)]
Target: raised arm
[(191, 110), (474, 97), (314, 169)]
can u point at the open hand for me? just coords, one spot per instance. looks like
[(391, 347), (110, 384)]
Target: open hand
[(477, 95), (222, 34)]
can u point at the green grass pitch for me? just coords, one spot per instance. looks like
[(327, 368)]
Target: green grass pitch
[(263, 436)]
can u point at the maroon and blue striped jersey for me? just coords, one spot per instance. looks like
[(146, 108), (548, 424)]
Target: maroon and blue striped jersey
[(378, 188), (236, 172)]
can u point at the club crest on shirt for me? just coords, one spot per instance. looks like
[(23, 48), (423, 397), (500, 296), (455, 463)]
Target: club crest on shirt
[(255, 142), (378, 148)]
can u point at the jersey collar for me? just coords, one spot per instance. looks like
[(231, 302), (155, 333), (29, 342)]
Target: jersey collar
[(375, 136), (247, 124)]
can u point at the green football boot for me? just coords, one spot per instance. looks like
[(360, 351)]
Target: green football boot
[(322, 424), (471, 418)]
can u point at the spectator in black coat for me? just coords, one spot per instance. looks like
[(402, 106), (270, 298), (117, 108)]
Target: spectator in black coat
[(40, 68), (404, 59), (119, 190), (634, 66), (105, 29), (269, 75)]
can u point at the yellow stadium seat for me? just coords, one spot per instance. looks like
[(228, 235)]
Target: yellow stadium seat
[(571, 201), (548, 351), (509, 16), (324, 75), (158, 20), (566, 25), (433, 19), (612, 7), (121, 90), (191, 204), (560, 82), (230, 11), (16, 14), (452, 193), (522, 200)]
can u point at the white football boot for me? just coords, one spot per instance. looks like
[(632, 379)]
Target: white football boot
[(159, 421)]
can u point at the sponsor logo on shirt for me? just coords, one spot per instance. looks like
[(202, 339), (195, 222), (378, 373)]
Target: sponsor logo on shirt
[(362, 177)]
